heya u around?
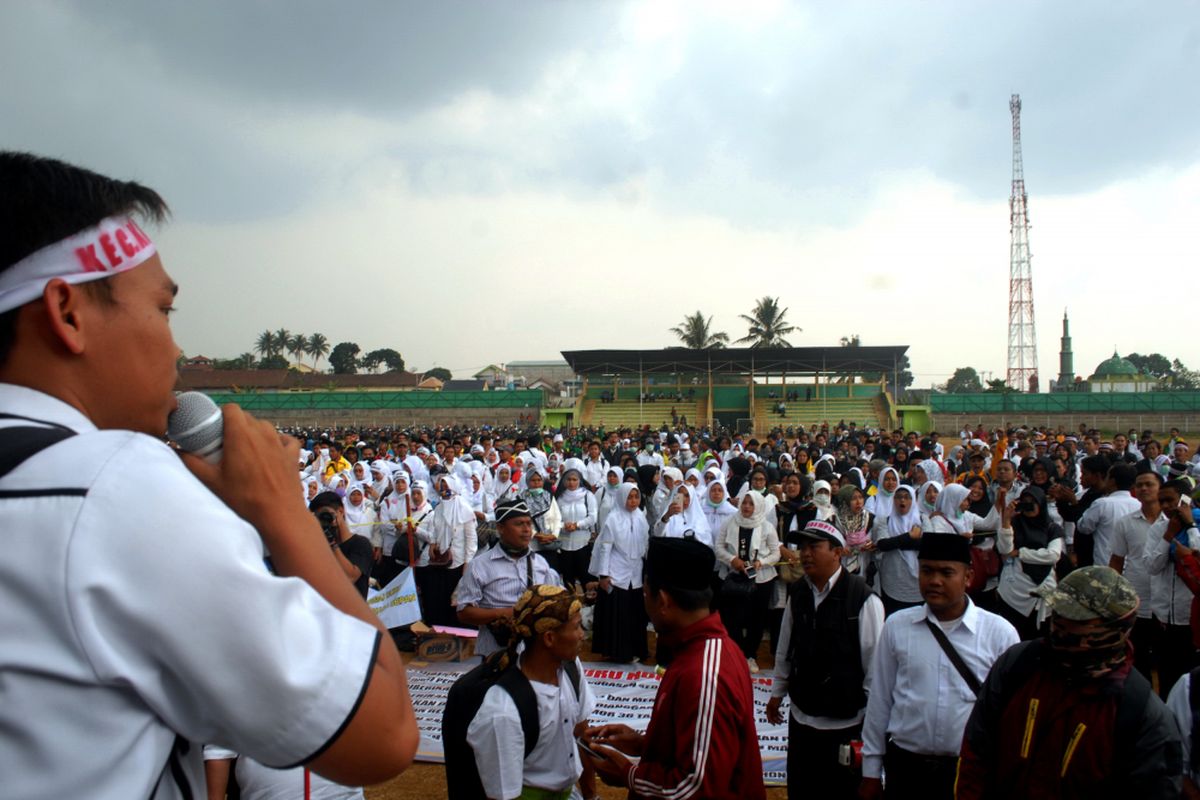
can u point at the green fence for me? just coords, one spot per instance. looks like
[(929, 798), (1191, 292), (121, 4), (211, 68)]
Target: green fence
[(1067, 403), (335, 401)]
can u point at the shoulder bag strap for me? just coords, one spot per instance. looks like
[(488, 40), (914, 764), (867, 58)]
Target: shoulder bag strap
[(954, 657)]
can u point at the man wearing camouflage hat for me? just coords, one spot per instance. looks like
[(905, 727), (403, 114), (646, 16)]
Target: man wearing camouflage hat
[(1067, 716)]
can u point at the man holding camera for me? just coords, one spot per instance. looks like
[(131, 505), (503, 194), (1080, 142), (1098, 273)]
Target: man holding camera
[(352, 552)]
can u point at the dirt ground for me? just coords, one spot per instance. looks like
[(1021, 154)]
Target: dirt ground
[(425, 781)]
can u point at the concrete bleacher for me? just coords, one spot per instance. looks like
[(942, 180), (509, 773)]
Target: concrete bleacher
[(860, 410), (631, 414)]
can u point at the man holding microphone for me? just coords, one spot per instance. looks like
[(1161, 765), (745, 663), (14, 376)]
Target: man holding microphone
[(139, 619)]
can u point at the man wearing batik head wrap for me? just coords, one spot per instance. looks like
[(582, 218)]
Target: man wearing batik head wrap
[(547, 620), (1067, 716)]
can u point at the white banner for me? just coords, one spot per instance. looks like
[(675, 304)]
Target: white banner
[(396, 604), (624, 693)]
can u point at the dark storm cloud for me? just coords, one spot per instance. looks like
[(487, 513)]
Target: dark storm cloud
[(794, 121)]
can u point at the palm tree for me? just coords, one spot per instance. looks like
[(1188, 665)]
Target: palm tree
[(245, 360), (695, 332), (767, 324), (317, 347), (297, 345), (265, 346), (281, 340)]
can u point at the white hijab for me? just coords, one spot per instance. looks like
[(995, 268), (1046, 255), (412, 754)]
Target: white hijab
[(692, 519)]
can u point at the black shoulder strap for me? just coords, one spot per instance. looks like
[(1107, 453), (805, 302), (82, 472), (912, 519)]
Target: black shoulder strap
[(517, 685), (955, 658), (19, 443), (572, 669)]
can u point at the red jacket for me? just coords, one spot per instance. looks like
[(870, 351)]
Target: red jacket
[(701, 741)]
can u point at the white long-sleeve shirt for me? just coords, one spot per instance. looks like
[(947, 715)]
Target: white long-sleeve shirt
[(1130, 536), (1170, 598), (583, 513), (1016, 587), (1101, 518), (436, 529), (1179, 703), (917, 696), (870, 626), (620, 548)]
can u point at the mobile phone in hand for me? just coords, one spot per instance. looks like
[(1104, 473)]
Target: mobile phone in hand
[(589, 751)]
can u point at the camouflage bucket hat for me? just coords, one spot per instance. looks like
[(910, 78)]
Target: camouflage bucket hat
[(1092, 593)]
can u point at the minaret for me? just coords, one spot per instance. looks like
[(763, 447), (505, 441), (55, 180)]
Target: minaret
[(1066, 359)]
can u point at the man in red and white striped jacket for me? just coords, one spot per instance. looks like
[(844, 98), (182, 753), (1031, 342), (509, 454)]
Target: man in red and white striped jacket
[(701, 741)]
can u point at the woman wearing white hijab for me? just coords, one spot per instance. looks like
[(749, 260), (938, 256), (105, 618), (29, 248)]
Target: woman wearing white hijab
[(577, 507), (360, 514), (880, 503), (502, 486), (897, 539), (381, 479), (684, 518), (394, 513), (606, 494), (547, 521), (927, 495), (310, 486), (823, 500), (951, 515), (747, 550), (619, 631), (450, 535), (717, 509), (670, 478)]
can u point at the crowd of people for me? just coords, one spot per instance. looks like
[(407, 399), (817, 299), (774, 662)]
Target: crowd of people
[(1000, 616), (1022, 509)]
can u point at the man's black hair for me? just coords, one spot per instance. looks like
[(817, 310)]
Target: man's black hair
[(325, 500), (44, 201), (1122, 475), (1097, 464), (1179, 485)]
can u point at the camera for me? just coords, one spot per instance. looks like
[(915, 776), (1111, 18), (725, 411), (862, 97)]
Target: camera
[(329, 526)]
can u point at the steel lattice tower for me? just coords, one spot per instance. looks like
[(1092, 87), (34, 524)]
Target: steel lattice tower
[(1022, 333)]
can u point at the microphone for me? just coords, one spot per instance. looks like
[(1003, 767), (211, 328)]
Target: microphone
[(196, 425)]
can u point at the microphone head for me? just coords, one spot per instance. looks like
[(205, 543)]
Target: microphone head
[(196, 425)]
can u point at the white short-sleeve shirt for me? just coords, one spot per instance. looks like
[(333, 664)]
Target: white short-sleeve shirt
[(499, 743), (139, 617), (259, 782)]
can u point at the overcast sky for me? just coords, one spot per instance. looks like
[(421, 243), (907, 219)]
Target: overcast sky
[(492, 181)]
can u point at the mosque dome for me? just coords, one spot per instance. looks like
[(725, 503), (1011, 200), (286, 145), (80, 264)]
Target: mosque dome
[(1115, 367)]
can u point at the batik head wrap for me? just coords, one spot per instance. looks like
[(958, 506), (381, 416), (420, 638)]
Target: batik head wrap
[(540, 608)]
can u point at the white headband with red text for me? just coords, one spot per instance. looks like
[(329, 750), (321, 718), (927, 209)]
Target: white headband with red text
[(115, 245)]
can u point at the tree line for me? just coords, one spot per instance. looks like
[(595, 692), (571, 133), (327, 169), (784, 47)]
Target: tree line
[(1171, 374), (271, 346)]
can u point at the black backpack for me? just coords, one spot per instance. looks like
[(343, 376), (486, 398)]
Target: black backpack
[(463, 702)]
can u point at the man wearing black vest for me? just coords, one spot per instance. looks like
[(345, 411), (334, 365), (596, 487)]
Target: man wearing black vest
[(827, 640)]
